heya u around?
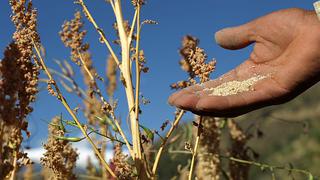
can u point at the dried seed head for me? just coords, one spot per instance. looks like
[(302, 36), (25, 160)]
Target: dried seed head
[(135, 3), (92, 105), (194, 62), (127, 29), (111, 73), (194, 59), (72, 36), (9, 84), (18, 86), (24, 17), (122, 168), (188, 147), (164, 125), (59, 157), (50, 89), (149, 21)]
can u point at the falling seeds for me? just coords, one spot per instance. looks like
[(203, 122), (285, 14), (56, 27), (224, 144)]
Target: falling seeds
[(234, 87)]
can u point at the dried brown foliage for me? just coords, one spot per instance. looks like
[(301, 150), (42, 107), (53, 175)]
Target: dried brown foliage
[(127, 30)]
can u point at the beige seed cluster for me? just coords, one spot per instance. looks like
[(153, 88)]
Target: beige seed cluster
[(92, 104), (18, 87), (72, 36), (122, 168), (234, 87), (24, 18), (195, 58), (194, 62), (9, 83), (59, 157)]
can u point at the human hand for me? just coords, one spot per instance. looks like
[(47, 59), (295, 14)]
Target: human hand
[(286, 52)]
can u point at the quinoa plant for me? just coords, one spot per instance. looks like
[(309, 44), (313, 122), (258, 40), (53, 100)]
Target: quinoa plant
[(134, 155)]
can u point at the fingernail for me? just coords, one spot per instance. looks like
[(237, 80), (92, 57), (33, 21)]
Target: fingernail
[(217, 36)]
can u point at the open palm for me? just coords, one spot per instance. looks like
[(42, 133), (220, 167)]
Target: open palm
[(286, 51)]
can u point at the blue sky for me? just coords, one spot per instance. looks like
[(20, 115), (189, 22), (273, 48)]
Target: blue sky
[(176, 18)]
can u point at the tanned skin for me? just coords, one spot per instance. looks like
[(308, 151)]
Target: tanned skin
[(286, 51)]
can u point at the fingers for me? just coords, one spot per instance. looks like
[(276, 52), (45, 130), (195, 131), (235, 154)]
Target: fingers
[(235, 37), (189, 90), (186, 98), (266, 92)]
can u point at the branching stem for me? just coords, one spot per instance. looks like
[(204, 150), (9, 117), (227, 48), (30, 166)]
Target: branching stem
[(267, 166), (106, 103), (126, 72), (66, 105), (164, 142), (137, 68)]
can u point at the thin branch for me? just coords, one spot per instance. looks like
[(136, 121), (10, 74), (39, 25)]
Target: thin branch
[(253, 163), (100, 31), (123, 135), (194, 153), (137, 71), (164, 142), (133, 25), (112, 5), (267, 166)]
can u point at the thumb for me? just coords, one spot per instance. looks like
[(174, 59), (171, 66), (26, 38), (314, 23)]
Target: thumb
[(235, 37)]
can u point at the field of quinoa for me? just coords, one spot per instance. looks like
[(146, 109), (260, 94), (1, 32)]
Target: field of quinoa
[(84, 88)]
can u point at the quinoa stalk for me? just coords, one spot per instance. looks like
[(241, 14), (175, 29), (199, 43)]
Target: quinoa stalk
[(125, 68), (138, 73), (126, 72)]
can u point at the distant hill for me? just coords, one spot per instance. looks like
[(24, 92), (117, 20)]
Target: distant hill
[(289, 134)]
